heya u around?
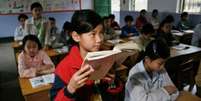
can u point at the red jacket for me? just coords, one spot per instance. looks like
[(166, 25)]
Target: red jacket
[(65, 70)]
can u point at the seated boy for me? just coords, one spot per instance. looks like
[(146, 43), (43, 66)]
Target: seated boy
[(129, 29), (148, 80)]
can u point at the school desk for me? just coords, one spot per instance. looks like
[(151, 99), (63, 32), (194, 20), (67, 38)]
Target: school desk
[(184, 36), (186, 96), (34, 94)]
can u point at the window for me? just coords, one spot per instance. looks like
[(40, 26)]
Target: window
[(193, 6)]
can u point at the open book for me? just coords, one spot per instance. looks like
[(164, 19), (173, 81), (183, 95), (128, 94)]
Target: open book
[(42, 80), (102, 61)]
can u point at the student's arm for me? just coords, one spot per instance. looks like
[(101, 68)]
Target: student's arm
[(23, 70), (58, 90), (77, 80), (48, 66), (168, 82), (136, 92)]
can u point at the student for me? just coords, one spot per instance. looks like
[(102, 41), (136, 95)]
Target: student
[(129, 29), (19, 31), (109, 31), (114, 24), (196, 39), (184, 23), (33, 61), (164, 32), (141, 20), (53, 37), (66, 33), (154, 20), (145, 37), (71, 81), (37, 24), (148, 80)]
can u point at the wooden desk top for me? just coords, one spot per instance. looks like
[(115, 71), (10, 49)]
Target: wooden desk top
[(16, 44), (190, 50), (186, 96), (27, 89)]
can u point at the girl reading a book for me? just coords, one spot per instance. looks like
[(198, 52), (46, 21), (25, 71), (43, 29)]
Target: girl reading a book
[(33, 61), (71, 75)]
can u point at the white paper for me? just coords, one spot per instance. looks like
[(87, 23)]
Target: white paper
[(42, 80)]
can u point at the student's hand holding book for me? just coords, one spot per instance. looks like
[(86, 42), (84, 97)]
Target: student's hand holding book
[(170, 89), (79, 78)]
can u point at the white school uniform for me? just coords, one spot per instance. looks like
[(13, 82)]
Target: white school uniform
[(140, 87)]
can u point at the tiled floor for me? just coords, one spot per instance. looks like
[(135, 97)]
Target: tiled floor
[(9, 87)]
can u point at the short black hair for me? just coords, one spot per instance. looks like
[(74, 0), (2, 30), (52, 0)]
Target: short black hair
[(128, 18), (36, 5), (52, 19), (184, 14), (112, 16), (143, 11), (157, 49), (169, 18), (67, 26), (31, 38), (22, 16), (105, 18), (147, 29)]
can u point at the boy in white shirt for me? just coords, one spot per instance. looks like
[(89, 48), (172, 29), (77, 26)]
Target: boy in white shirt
[(19, 31), (148, 80)]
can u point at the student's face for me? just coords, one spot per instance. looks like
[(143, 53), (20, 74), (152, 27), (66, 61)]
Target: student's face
[(155, 65), (92, 40), (107, 22), (22, 21), (167, 27), (31, 48), (52, 23), (148, 36), (36, 12), (129, 23)]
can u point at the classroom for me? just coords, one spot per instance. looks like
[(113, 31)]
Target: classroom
[(100, 50)]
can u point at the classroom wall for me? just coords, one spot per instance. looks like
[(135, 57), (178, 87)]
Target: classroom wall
[(8, 23), (163, 5)]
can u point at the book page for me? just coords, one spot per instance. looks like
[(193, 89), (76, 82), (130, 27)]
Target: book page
[(49, 78), (127, 46), (36, 81)]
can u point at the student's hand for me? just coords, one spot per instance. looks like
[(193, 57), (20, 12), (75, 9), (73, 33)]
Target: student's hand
[(130, 34), (109, 78), (79, 78), (170, 89)]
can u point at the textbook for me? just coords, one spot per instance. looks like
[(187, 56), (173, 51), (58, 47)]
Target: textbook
[(102, 61), (42, 80)]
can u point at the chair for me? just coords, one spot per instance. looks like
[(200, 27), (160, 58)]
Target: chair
[(182, 70)]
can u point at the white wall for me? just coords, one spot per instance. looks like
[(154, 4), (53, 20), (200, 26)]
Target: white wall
[(163, 5), (124, 5), (87, 4)]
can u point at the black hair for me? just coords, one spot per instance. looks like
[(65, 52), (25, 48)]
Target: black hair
[(36, 5), (147, 29), (128, 18), (184, 14), (85, 21), (143, 11), (154, 11), (169, 18), (52, 19), (106, 18), (67, 26), (163, 23), (31, 38), (22, 16), (112, 16), (157, 49)]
